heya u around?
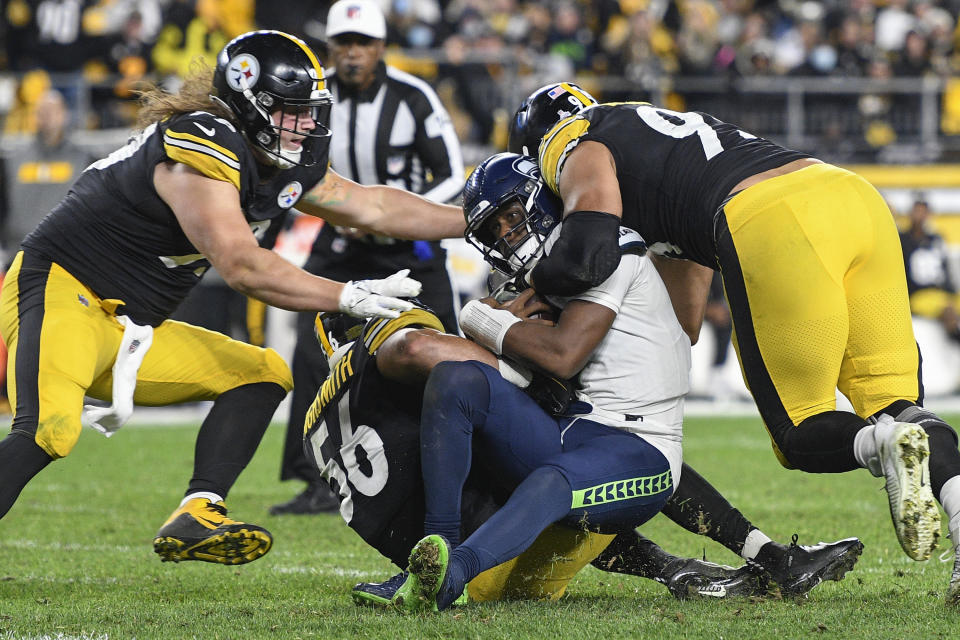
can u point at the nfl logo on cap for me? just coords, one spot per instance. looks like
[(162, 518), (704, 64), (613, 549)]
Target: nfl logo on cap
[(356, 16)]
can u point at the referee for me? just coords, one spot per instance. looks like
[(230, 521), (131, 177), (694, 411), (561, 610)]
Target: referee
[(390, 128)]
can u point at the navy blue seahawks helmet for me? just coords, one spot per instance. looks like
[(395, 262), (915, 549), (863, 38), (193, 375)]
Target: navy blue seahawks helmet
[(542, 109), (494, 186), (260, 72)]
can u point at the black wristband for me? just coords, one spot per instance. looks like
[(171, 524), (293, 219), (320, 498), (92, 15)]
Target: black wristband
[(586, 253)]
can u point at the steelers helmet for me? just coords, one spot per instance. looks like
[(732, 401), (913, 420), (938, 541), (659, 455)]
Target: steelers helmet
[(541, 110), (335, 329), (261, 72), (495, 184)]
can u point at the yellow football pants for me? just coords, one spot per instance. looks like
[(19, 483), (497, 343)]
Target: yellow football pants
[(63, 340), (813, 272), (544, 570)]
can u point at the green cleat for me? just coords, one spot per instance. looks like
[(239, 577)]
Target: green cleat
[(427, 569), (201, 530)]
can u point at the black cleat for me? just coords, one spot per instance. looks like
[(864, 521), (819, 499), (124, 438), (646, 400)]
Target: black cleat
[(316, 498), (377, 594), (797, 569), (692, 578)]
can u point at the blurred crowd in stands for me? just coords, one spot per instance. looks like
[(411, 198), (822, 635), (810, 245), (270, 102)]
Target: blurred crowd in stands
[(475, 50), (855, 77)]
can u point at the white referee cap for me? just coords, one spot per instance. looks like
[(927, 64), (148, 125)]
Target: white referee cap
[(356, 16)]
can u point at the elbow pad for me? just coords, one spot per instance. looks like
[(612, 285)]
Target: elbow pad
[(586, 253)]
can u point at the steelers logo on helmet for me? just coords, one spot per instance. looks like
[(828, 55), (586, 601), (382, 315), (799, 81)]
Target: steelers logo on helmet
[(273, 83), (289, 195), (242, 72)]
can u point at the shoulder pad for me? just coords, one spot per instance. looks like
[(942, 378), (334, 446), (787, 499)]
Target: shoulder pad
[(557, 145), (209, 144), (377, 330)]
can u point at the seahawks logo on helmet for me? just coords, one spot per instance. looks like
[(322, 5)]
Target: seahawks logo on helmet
[(509, 211)]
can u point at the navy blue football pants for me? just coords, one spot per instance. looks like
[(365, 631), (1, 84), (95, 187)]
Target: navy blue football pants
[(576, 472)]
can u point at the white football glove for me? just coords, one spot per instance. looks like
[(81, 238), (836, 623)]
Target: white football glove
[(379, 298)]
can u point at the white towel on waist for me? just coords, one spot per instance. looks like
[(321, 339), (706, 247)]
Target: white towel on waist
[(133, 347)]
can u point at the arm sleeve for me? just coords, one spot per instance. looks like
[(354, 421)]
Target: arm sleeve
[(611, 292), (586, 252)]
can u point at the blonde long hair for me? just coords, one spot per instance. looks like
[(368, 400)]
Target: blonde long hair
[(194, 95)]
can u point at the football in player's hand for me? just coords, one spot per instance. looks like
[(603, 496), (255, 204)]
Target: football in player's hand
[(538, 301)]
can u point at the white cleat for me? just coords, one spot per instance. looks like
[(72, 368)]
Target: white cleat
[(904, 457), (953, 591)]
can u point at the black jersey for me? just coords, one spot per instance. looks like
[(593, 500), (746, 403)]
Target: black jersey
[(115, 234), (363, 433), (674, 169)]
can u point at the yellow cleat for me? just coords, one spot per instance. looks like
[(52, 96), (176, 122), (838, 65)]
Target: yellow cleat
[(201, 530)]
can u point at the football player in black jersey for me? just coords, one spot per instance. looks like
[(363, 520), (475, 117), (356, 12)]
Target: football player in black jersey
[(85, 306), (379, 384), (363, 433), (811, 266)]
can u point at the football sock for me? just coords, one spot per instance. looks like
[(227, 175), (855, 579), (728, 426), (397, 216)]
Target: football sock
[(820, 444), (20, 459), (543, 498), (230, 434), (455, 402), (633, 554), (865, 450), (462, 563), (212, 497), (950, 499), (699, 508), (751, 547)]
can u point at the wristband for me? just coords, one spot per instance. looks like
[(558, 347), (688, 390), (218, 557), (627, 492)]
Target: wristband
[(486, 325)]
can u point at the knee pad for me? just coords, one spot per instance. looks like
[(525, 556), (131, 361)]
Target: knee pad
[(457, 379), (927, 419), (58, 434)]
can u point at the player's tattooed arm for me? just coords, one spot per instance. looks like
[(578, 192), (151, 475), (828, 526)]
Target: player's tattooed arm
[(382, 210)]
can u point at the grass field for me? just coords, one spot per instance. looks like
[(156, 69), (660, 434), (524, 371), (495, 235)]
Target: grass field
[(76, 559)]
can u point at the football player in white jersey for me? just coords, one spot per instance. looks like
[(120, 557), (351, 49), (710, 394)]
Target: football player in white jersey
[(612, 460)]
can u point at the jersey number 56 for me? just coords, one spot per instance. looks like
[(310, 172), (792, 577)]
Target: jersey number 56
[(343, 466)]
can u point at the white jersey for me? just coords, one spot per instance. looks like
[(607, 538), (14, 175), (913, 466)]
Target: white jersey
[(637, 377)]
